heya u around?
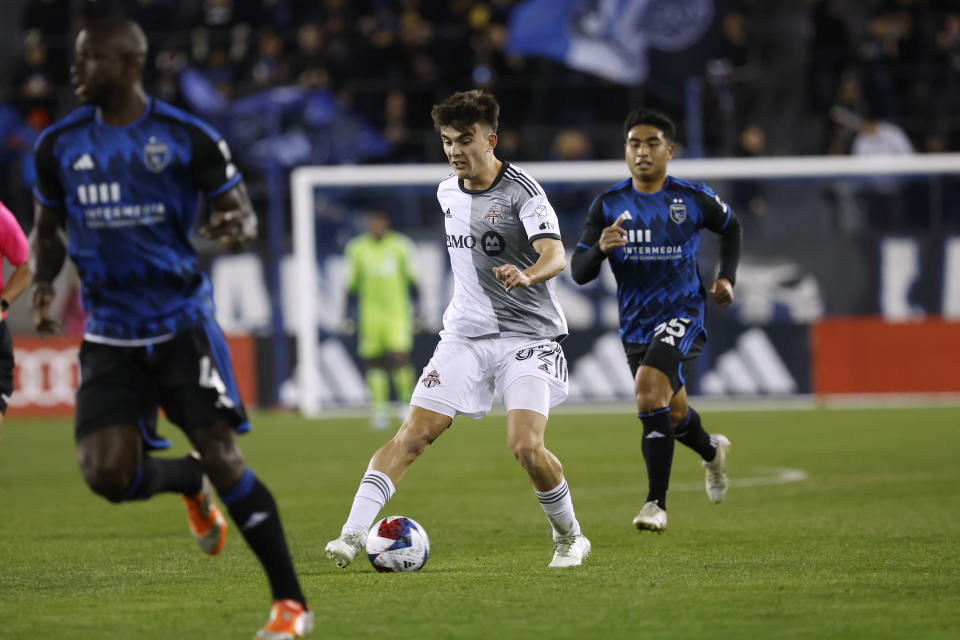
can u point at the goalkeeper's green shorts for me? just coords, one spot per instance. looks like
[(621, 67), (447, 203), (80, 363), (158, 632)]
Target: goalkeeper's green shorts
[(375, 340)]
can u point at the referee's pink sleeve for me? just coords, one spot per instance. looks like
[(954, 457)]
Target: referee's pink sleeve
[(13, 242)]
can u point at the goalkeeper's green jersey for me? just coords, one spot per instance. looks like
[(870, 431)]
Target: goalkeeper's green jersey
[(381, 274)]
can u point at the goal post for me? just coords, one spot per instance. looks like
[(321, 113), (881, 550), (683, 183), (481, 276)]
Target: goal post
[(308, 180)]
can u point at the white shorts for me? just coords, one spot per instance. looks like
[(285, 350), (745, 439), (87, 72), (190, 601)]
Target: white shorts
[(465, 374)]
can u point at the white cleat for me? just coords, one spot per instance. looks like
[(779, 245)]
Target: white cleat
[(651, 518), (570, 551), (345, 548), (716, 477)]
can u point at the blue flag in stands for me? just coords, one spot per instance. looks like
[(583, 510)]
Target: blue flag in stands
[(608, 38)]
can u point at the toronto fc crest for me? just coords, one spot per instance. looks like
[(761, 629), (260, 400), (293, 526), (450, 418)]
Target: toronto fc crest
[(431, 380), (494, 215)]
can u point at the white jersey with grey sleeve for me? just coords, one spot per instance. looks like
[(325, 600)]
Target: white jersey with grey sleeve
[(488, 228)]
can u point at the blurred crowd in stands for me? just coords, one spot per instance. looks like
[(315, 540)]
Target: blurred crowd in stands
[(820, 76)]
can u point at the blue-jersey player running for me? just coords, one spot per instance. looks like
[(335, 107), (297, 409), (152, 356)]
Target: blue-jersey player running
[(648, 226), (121, 174)]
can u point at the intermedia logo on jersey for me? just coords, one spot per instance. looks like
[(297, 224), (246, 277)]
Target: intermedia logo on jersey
[(431, 380), (640, 242)]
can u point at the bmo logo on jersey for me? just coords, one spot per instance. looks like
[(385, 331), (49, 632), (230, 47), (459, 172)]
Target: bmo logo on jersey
[(461, 242), (492, 243)]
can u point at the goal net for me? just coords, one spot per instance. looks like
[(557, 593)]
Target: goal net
[(824, 236)]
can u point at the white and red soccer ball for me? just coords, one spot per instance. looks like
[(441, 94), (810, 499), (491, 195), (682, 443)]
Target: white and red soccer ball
[(397, 543)]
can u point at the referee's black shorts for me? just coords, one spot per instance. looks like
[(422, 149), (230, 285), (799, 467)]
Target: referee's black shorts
[(6, 366)]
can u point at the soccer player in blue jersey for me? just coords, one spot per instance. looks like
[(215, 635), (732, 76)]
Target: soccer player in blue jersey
[(121, 175), (648, 226)]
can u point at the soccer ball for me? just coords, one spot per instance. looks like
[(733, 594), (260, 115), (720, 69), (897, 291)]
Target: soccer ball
[(397, 543)]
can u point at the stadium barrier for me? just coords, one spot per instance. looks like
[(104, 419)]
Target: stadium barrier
[(46, 374)]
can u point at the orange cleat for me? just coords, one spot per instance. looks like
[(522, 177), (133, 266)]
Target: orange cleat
[(288, 619), (207, 523)]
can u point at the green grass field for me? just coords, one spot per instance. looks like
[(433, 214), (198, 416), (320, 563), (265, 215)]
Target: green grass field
[(866, 546)]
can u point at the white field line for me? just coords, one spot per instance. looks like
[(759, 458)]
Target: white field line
[(769, 476)]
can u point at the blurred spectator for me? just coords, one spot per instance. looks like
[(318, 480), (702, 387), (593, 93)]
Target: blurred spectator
[(747, 196), (882, 196), (161, 16), (268, 68), (880, 137), (903, 62), (396, 130), (308, 64), (37, 79), (947, 58), (50, 17), (571, 144), (220, 71), (828, 53), (849, 100)]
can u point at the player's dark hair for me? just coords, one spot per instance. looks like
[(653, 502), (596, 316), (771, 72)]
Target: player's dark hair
[(654, 119), (124, 32), (464, 109)]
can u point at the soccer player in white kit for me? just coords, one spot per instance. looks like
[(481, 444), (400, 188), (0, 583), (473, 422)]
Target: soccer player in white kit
[(501, 329)]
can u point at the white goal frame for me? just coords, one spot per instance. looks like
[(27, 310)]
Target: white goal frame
[(304, 180)]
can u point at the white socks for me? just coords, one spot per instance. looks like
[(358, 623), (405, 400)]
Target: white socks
[(558, 506), (375, 489)]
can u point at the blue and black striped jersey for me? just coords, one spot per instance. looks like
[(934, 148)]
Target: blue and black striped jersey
[(129, 200), (656, 272)]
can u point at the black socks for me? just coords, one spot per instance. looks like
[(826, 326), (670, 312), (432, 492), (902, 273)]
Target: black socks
[(159, 475), (657, 447), (690, 432), (253, 509)]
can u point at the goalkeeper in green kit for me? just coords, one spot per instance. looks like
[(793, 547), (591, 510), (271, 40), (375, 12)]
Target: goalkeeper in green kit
[(380, 278)]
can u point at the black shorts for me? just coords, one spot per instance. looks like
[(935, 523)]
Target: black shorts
[(6, 366), (190, 377), (666, 358)]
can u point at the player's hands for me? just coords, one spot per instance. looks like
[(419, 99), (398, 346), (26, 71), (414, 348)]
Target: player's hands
[(43, 293), (234, 228), (615, 235), (722, 291), (511, 277)]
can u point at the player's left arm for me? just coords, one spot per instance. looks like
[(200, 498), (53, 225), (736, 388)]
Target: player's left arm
[(720, 218), (551, 261), (233, 221)]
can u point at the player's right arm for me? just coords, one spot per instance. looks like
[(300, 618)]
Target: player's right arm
[(47, 248), (595, 244), (48, 252)]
